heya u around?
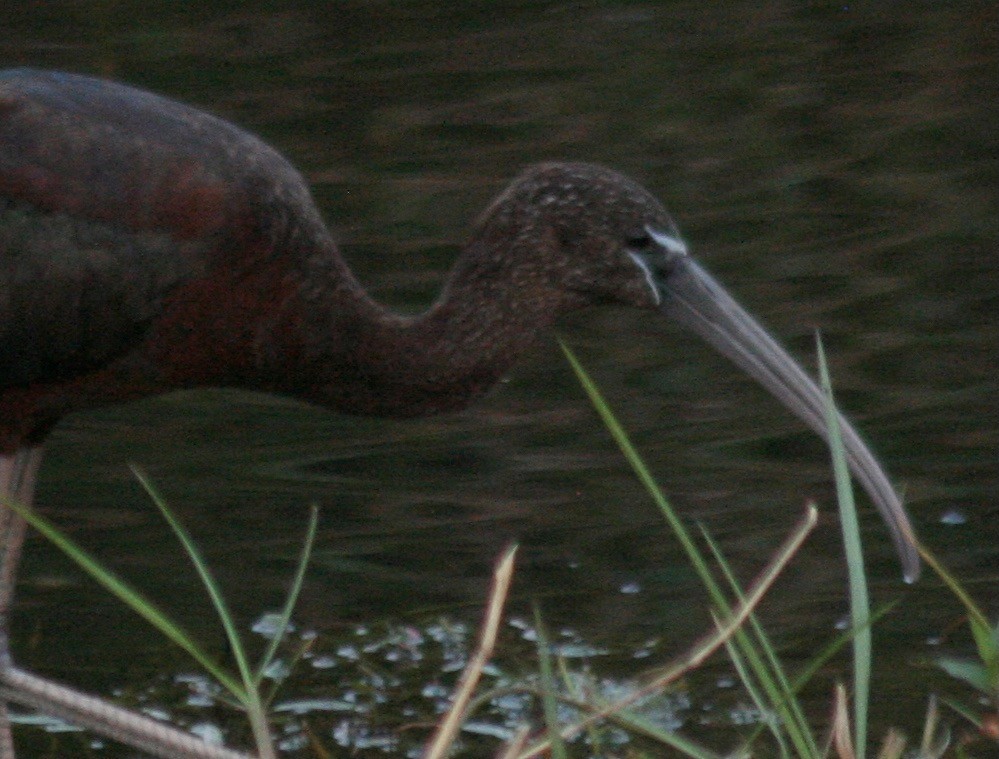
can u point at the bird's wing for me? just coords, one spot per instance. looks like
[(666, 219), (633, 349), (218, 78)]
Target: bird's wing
[(109, 198)]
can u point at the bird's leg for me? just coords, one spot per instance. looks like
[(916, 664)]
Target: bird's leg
[(17, 482), (135, 730)]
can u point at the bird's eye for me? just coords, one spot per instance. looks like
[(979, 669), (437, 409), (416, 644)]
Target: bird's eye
[(639, 242)]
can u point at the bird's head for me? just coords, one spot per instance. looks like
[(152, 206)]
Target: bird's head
[(575, 234), (588, 232)]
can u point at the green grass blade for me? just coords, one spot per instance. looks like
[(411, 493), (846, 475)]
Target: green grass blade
[(207, 578), (643, 473), (749, 682), (818, 661), (973, 716), (754, 644), (640, 725), (577, 693), (860, 608), (293, 593), (549, 698), (986, 637), (249, 694), (129, 596), (799, 733), (974, 673)]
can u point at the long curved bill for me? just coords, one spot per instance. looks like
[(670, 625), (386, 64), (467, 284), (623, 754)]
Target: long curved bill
[(696, 300)]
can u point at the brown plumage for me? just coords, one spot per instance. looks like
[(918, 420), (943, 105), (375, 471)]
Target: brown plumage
[(147, 246)]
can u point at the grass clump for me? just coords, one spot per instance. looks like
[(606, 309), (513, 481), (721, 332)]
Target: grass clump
[(246, 687)]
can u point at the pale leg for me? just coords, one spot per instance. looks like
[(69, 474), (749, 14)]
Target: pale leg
[(17, 481)]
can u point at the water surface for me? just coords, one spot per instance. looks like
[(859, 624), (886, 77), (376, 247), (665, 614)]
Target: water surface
[(835, 165)]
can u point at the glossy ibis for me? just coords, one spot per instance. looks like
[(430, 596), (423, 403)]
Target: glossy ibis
[(147, 246)]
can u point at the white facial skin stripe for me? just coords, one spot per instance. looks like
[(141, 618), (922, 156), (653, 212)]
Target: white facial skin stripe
[(641, 264), (667, 242)]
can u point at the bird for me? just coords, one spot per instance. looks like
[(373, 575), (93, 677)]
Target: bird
[(148, 246)]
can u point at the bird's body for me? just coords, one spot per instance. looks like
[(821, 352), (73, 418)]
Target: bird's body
[(147, 246), (138, 257)]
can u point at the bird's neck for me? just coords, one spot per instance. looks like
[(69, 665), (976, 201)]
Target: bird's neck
[(356, 356)]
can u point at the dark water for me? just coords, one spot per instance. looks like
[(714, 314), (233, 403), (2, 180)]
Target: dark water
[(834, 164)]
